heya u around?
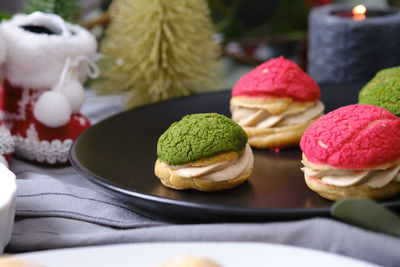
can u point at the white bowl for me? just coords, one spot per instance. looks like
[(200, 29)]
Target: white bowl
[(8, 192)]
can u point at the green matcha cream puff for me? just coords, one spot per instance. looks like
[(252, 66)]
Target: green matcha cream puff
[(383, 91), (206, 152)]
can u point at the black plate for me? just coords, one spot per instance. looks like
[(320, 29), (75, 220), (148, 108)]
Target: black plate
[(118, 154)]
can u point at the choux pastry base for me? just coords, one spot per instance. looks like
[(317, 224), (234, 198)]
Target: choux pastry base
[(334, 193), (279, 137), (172, 180)]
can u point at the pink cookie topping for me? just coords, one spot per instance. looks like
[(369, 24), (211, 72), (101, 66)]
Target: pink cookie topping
[(353, 137), (278, 77)]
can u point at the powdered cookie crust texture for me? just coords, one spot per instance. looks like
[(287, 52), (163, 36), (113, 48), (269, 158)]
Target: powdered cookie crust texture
[(275, 103), (278, 77), (383, 90), (200, 136), (353, 151), (206, 152), (353, 137)]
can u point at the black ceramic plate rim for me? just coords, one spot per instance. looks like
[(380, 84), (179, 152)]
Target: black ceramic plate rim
[(221, 209)]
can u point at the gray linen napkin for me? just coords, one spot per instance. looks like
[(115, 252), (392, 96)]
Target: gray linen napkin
[(59, 208), (64, 193), (318, 233)]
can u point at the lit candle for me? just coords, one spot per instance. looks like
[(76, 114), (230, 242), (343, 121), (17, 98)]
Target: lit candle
[(359, 12), (348, 44)]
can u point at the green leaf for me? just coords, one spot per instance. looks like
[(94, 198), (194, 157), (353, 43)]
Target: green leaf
[(5, 16), (367, 214)]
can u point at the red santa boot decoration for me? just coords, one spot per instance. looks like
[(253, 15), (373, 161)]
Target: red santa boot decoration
[(44, 62)]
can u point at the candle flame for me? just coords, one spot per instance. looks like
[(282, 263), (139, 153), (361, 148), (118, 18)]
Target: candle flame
[(359, 12)]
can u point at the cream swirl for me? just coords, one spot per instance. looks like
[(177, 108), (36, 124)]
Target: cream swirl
[(345, 178), (222, 171), (261, 118)]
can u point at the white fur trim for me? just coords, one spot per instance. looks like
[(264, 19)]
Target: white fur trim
[(37, 60), (33, 149)]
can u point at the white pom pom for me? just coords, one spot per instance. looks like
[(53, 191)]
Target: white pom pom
[(52, 109), (73, 91)]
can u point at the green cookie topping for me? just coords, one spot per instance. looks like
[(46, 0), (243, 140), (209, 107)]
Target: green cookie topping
[(199, 136), (383, 90)]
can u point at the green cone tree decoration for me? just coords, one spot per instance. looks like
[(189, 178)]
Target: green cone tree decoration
[(158, 49), (67, 9)]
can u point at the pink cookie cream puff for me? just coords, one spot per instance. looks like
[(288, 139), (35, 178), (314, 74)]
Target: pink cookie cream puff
[(353, 151), (275, 103)]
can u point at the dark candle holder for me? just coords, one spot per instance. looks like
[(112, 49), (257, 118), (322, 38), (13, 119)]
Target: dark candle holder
[(369, 14), (343, 49)]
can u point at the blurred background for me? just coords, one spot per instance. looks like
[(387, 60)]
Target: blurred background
[(249, 31)]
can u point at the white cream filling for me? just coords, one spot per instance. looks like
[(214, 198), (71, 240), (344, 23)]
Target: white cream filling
[(218, 172), (344, 178), (261, 118)]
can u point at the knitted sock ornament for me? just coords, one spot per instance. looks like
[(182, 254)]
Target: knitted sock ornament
[(6, 145), (44, 63)]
